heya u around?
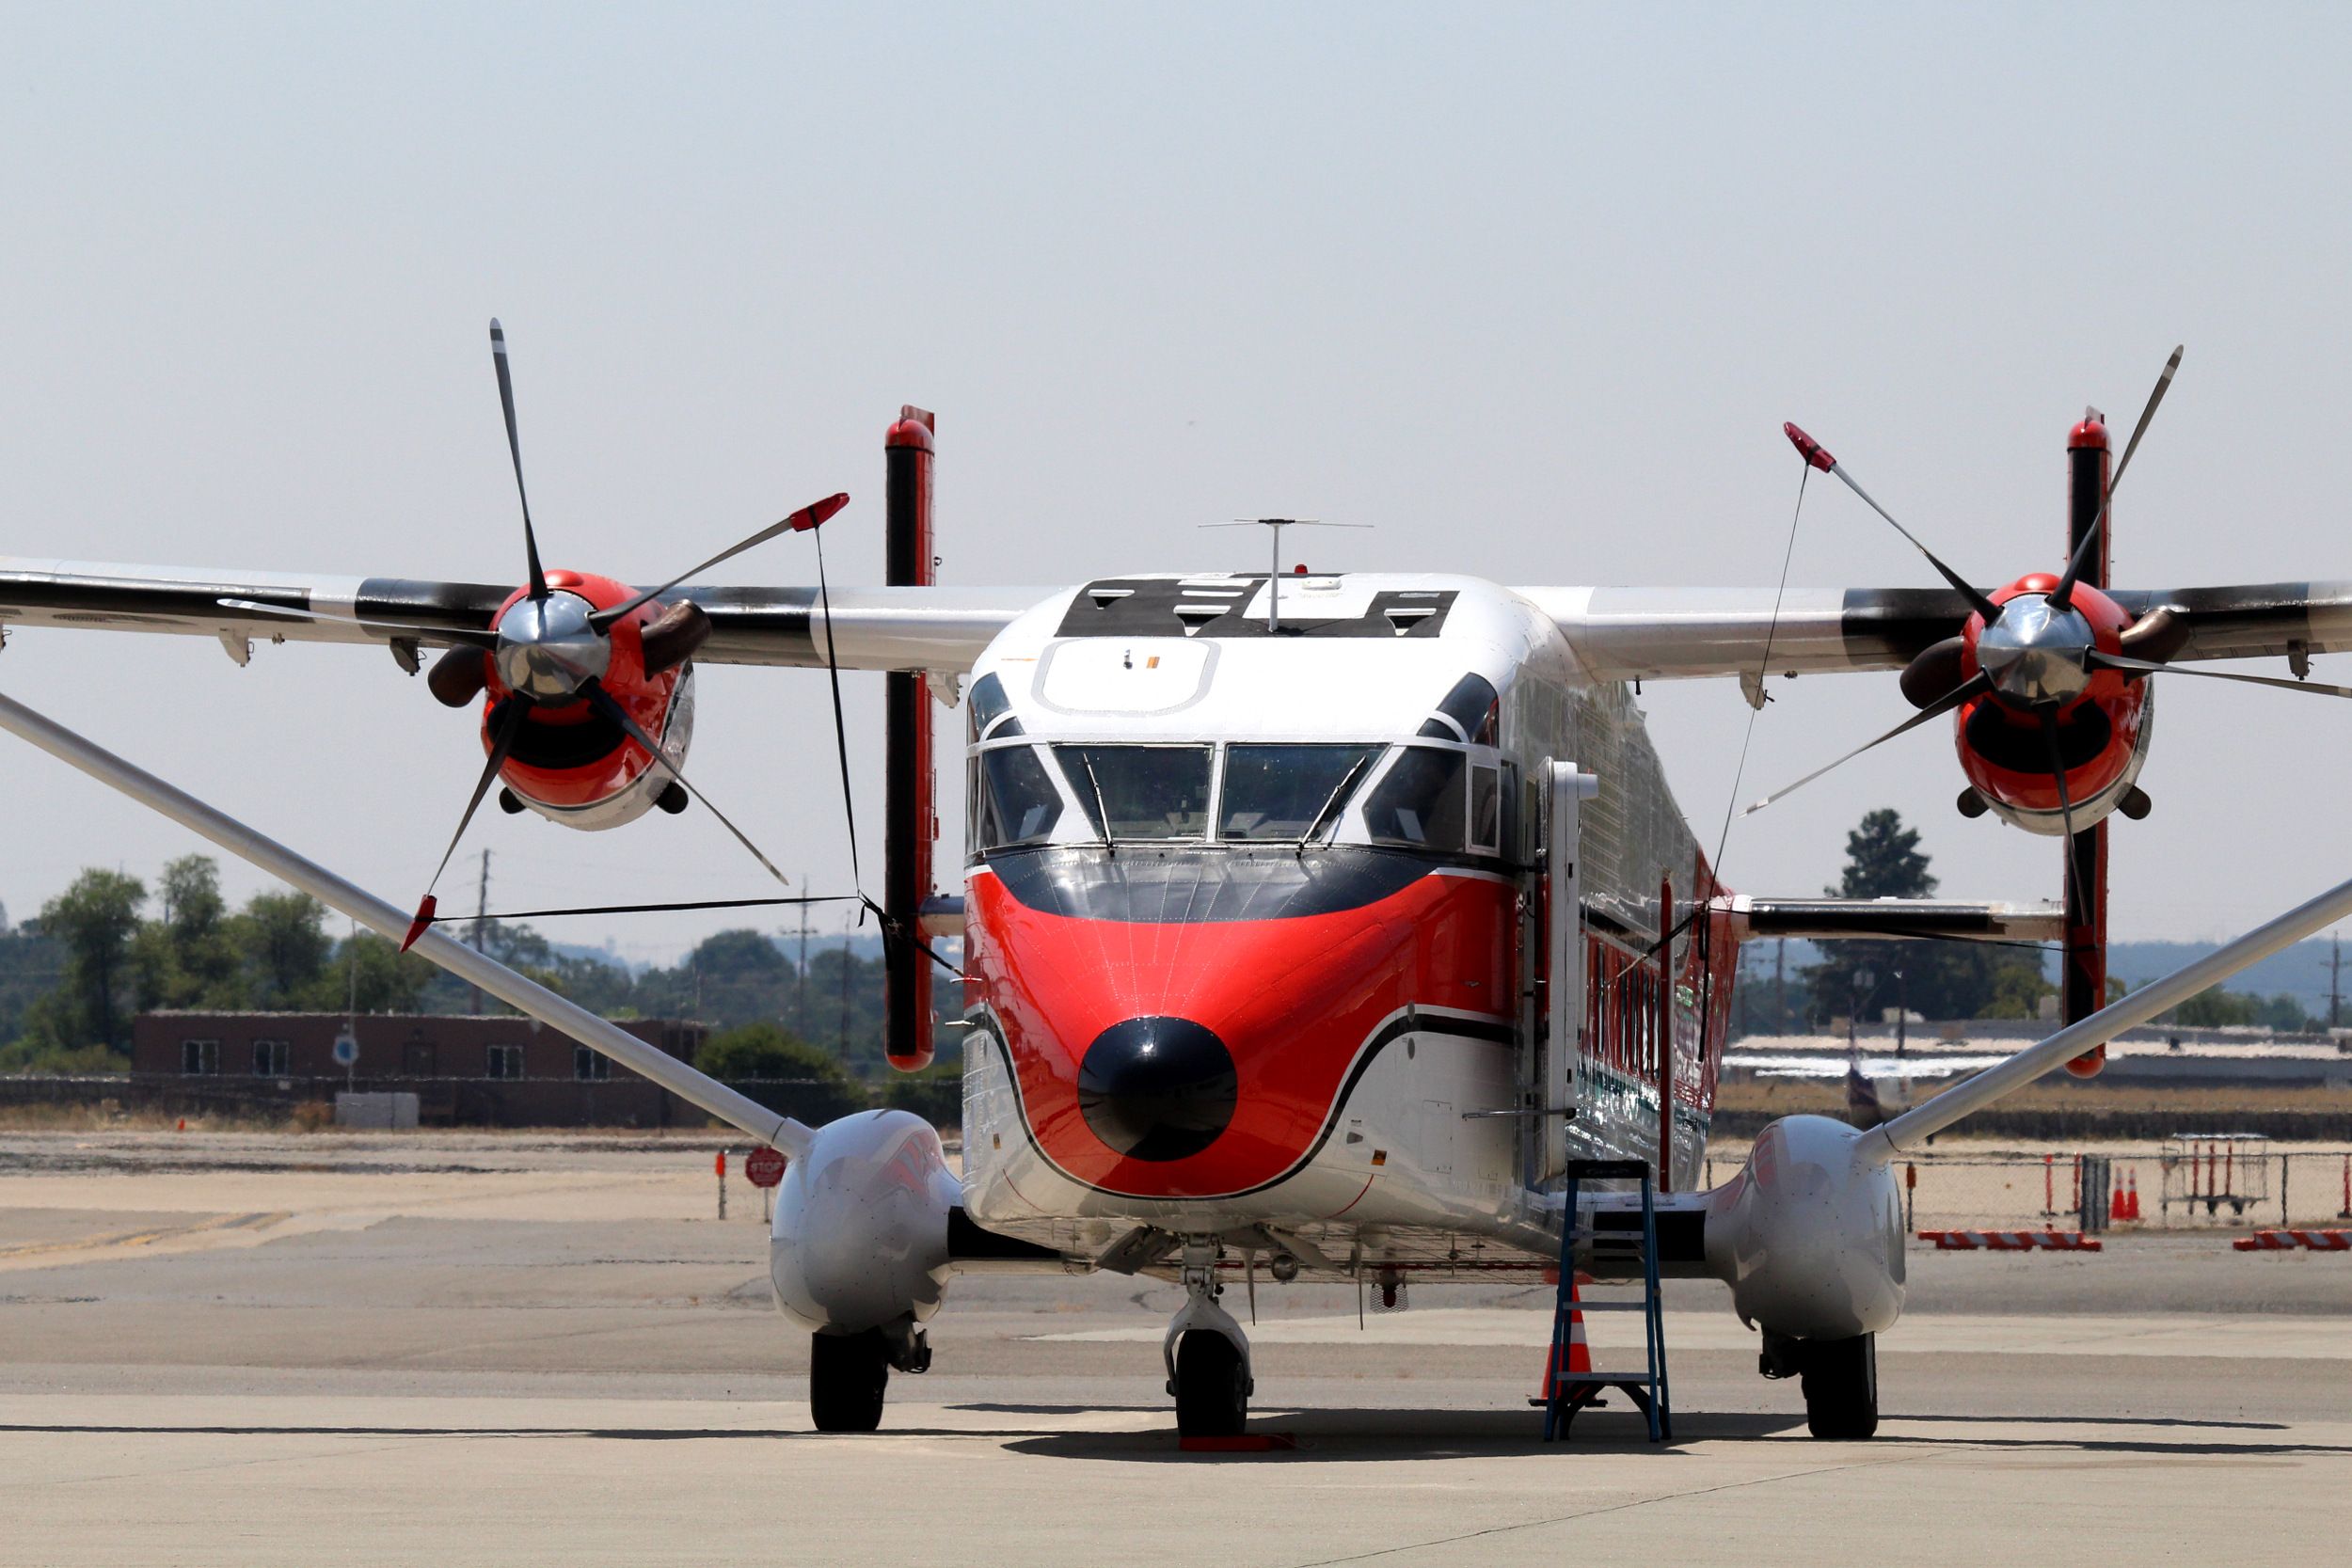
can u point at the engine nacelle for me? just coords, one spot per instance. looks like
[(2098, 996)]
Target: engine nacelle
[(1808, 1236), (860, 1237), (569, 763), (2102, 734)]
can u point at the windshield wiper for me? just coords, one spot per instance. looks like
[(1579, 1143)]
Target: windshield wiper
[(1102, 812), (1338, 792)]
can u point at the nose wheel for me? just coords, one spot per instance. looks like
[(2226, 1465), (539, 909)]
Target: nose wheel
[(1207, 1354), (1842, 1387), (846, 1376)]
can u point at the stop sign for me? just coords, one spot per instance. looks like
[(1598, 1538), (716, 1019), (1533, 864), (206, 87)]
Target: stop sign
[(763, 1167)]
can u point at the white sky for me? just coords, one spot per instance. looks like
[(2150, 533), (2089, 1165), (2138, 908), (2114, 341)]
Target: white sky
[(1529, 289)]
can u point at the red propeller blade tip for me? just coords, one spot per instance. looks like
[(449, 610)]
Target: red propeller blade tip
[(1808, 448), (811, 516), (422, 924)]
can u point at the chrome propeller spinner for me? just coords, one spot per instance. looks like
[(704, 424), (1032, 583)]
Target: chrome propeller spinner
[(548, 649), (2036, 653)]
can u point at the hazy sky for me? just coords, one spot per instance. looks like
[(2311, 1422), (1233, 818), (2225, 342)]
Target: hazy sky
[(1530, 289)]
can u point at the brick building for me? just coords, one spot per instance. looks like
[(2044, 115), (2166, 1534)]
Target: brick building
[(478, 1072)]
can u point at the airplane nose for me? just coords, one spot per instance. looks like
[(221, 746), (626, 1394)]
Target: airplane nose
[(1157, 1088)]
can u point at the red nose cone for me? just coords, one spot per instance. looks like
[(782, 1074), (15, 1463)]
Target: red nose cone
[(2090, 432)]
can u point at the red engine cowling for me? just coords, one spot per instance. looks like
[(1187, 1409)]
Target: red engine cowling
[(573, 765), (2102, 735)]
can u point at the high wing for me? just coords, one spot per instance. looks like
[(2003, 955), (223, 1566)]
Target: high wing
[(1694, 633), (1617, 633), (874, 628)]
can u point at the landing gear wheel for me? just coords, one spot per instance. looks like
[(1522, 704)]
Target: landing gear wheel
[(1212, 1385), (847, 1375), (1842, 1387)]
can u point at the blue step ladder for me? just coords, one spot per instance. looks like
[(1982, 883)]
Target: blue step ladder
[(1569, 1394)]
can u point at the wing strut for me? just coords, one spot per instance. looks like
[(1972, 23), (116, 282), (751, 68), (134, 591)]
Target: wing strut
[(647, 1061)]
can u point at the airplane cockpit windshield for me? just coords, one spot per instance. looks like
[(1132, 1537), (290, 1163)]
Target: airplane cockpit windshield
[(1434, 799)]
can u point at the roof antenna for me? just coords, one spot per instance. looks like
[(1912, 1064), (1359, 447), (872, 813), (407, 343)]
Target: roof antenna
[(1274, 578)]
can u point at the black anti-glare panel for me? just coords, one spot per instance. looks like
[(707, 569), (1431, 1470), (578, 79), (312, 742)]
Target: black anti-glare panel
[(1203, 607)]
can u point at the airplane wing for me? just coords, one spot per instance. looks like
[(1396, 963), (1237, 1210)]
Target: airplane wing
[(874, 628), (1695, 633)]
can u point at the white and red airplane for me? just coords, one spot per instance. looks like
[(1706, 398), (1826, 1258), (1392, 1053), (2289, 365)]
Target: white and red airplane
[(1317, 920)]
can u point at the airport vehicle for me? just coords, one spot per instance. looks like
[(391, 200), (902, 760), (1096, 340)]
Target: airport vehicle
[(1309, 920)]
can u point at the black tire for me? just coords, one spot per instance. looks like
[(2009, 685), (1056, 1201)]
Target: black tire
[(1212, 1385), (846, 1376), (1841, 1388)]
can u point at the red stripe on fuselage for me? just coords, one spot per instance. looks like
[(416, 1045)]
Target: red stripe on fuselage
[(1294, 1000)]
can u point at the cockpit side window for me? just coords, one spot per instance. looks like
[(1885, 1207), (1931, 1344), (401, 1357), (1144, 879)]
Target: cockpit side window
[(1471, 711), (1419, 802), (985, 706), (1140, 792), (1013, 798)]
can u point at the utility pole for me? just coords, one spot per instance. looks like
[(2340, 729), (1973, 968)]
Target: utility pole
[(841, 1038), (1780, 983), (481, 909), (800, 1014), (2335, 984)]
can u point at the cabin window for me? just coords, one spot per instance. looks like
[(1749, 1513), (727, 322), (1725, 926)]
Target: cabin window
[(1419, 801), (199, 1058), (590, 1067), (1140, 792), (269, 1058), (1013, 798), (505, 1061), (1288, 793)]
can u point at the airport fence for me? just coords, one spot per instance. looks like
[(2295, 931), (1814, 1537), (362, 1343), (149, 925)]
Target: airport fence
[(2216, 1182)]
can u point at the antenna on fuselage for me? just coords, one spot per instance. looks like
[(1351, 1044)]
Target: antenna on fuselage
[(1274, 578)]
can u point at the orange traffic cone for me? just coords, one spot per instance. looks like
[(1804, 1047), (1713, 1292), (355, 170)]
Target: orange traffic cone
[(1580, 1350), (183, 1124), (2116, 1209), (2131, 1195)]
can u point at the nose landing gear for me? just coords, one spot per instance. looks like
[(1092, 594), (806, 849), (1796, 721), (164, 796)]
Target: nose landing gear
[(1207, 1353)]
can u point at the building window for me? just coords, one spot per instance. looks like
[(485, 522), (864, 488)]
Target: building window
[(588, 1066), (269, 1058), (506, 1061), (199, 1059)]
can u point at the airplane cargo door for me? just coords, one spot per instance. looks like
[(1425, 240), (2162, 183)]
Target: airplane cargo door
[(1563, 1028)]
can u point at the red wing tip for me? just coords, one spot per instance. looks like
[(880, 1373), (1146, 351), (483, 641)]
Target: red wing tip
[(813, 516), (422, 924)]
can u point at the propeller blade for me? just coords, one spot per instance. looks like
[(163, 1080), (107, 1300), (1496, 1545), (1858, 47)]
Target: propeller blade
[(458, 635), (602, 701), (807, 517), (1813, 452), (2063, 594), (2142, 667), (1975, 686), (2066, 811), (515, 449), (510, 727)]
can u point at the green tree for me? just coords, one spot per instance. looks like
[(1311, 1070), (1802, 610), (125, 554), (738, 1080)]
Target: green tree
[(283, 938), (781, 1071), (187, 957), (371, 973), (93, 920)]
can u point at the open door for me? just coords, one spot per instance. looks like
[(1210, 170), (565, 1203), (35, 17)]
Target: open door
[(1566, 791)]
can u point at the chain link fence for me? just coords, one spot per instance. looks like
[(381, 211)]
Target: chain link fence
[(2217, 1181)]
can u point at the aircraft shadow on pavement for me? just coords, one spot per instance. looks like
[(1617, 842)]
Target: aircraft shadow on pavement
[(1356, 1435), (618, 1435)]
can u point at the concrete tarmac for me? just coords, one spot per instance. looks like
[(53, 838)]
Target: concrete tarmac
[(456, 1350)]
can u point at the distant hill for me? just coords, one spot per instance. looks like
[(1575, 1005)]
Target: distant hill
[(2300, 972)]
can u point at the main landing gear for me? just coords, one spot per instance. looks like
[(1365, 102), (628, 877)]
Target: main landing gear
[(1207, 1354), (1841, 1379), (847, 1374)]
